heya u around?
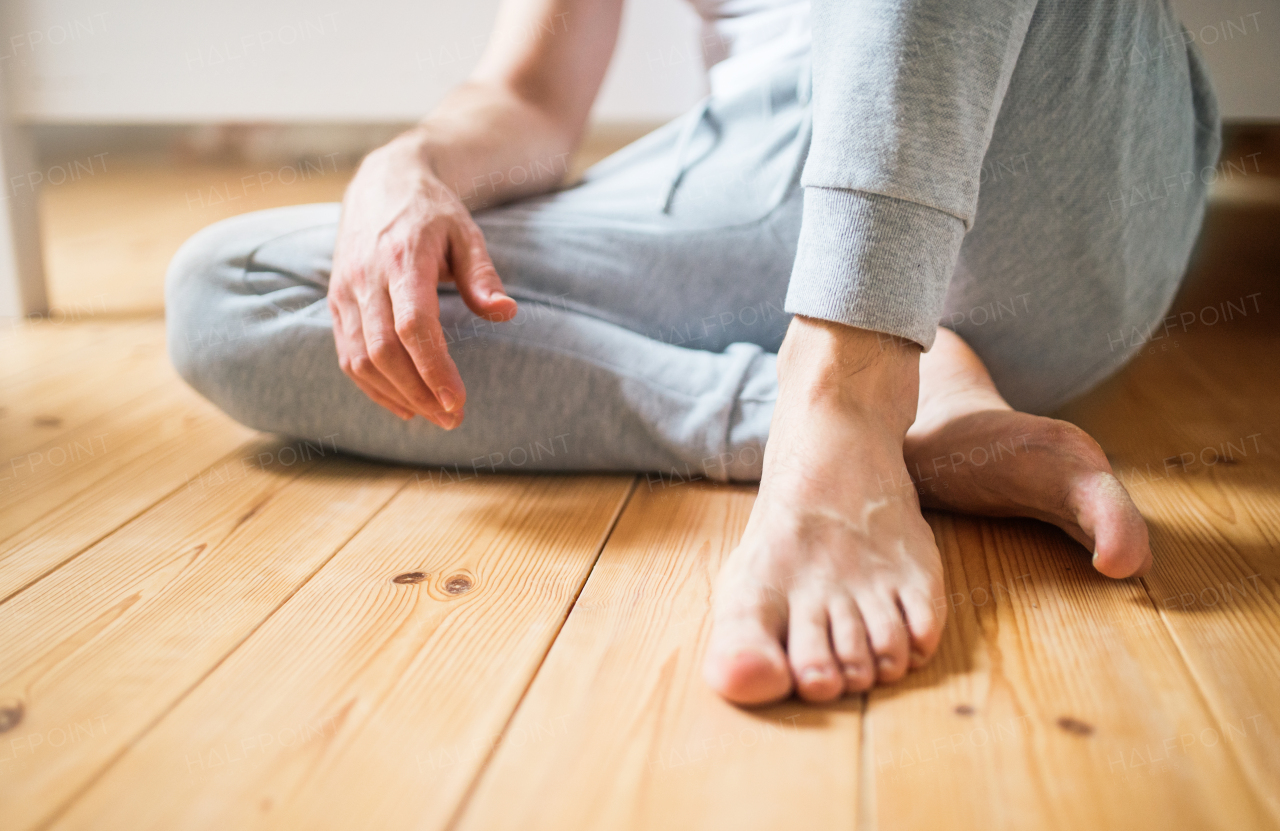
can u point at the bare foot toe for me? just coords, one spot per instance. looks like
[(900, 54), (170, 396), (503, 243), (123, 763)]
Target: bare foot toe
[(849, 641), (920, 607), (817, 675), (887, 634), (828, 552), (970, 451), (1101, 507), (745, 662)]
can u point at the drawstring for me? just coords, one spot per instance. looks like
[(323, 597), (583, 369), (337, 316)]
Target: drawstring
[(804, 87), (804, 132), (690, 126), (804, 90)]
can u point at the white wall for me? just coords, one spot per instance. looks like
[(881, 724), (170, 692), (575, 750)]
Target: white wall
[(390, 60), (1240, 41), (375, 60)]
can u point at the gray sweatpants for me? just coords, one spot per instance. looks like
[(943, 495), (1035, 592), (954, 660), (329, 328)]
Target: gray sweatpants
[(652, 294)]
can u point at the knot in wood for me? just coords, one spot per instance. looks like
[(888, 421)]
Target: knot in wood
[(458, 584), (1075, 726), (11, 712)]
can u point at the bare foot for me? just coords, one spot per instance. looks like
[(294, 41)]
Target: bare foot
[(970, 451), (836, 561), (833, 564)]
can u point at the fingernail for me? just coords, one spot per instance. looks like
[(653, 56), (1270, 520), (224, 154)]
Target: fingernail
[(448, 399)]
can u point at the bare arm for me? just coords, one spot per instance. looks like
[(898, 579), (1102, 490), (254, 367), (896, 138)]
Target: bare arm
[(406, 225), (527, 101)]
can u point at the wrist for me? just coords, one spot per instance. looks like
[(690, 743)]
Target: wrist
[(859, 371), (415, 147)]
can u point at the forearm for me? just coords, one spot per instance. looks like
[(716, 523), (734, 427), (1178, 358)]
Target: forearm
[(487, 145), (490, 146)]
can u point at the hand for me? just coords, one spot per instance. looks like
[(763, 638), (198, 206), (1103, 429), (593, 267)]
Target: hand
[(402, 233)]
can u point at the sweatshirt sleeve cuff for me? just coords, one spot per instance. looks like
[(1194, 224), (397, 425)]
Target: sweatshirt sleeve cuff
[(874, 262)]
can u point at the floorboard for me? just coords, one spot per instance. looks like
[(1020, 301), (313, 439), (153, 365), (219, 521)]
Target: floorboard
[(1191, 428), (618, 730), (30, 344), (46, 402), (194, 635), (120, 634), (397, 666), (139, 451), (1052, 690)]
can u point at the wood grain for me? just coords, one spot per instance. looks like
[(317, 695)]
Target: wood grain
[(146, 682), (620, 732), (93, 654), (1191, 428), (1057, 700), (189, 459), (173, 430), (367, 702), (111, 235), (45, 402), (27, 344)]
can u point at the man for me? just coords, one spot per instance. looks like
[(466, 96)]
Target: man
[(909, 163)]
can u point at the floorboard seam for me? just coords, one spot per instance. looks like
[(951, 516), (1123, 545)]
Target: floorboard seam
[(151, 725), (465, 800), (61, 437), (7, 379), (162, 499), (1207, 701), (865, 791)]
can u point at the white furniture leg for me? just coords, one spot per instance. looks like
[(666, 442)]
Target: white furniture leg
[(22, 289)]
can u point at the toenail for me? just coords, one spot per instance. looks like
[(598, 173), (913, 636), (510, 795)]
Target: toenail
[(857, 674), (813, 675), (885, 662)]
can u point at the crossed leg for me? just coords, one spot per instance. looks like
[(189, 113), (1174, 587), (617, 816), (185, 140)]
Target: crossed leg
[(855, 595)]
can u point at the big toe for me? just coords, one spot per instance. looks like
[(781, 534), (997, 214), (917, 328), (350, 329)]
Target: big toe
[(1107, 514), (745, 664)]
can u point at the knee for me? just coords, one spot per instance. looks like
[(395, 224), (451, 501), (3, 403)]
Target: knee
[(210, 309), (197, 296)]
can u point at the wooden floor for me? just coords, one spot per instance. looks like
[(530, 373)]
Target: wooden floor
[(206, 627)]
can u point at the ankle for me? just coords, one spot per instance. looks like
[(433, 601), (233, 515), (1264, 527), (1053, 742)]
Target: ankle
[(860, 373)]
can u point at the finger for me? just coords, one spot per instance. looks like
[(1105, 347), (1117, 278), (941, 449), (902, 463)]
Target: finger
[(389, 355), (415, 307), (356, 365), (477, 279)]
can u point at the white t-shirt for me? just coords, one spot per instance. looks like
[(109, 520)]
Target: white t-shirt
[(743, 38)]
